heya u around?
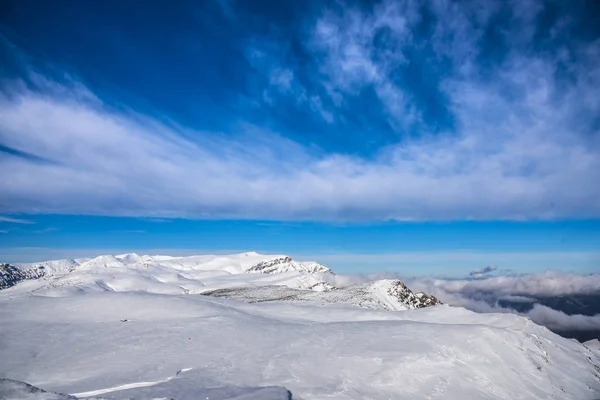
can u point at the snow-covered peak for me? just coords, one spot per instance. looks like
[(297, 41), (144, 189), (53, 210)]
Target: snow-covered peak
[(107, 261), (286, 264), (166, 274), (393, 292), (129, 258)]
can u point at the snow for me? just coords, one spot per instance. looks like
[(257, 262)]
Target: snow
[(174, 275), (185, 389), (593, 344), (64, 333), (15, 390), (385, 294)]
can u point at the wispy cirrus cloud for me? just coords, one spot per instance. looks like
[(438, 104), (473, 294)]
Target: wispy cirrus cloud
[(518, 142), (13, 220)]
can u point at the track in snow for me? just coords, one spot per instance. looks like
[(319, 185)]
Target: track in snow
[(133, 385)]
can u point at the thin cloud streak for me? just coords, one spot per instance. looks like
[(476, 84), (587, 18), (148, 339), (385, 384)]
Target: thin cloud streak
[(15, 220)]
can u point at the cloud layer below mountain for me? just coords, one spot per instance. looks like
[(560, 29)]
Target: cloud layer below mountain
[(485, 294)]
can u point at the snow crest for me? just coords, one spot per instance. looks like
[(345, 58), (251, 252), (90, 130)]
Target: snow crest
[(168, 275), (286, 264)]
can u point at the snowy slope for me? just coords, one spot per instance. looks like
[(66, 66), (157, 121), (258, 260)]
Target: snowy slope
[(16, 390), (132, 326), (77, 344), (384, 294), (593, 345)]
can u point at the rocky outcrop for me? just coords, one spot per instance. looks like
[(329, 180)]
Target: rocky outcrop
[(412, 299), (11, 275)]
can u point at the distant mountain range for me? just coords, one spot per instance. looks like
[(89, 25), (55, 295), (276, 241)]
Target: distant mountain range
[(248, 276)]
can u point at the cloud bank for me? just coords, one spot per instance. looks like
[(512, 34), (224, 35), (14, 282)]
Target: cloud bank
[(484, 295), (519, 139), (481, 272)]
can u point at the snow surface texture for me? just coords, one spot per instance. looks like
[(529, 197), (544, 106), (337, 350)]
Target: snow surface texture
[(384, 294), (124, 327), (16, 390), (11, 389), (593, 344)]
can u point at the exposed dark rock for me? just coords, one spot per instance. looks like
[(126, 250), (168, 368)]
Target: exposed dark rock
[(414, 299), (11, 275)]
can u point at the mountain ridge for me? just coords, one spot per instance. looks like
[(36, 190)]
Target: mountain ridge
[(215, 275)]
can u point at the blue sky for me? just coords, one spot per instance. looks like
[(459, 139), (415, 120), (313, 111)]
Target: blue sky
[(431, 137)]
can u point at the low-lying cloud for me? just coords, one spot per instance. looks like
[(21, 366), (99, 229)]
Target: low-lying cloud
[(558, 320), (485, 295)]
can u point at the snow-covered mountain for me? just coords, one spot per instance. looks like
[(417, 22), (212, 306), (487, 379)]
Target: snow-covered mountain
[(251, 276), (165, 274), (286, 264), (11, 275), (129, 327)]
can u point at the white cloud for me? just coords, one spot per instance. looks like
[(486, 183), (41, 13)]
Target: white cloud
[(15, 220), (558, 320), (548, 283), (522, 147), (108, 162), (346, 41), (483, 295)]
